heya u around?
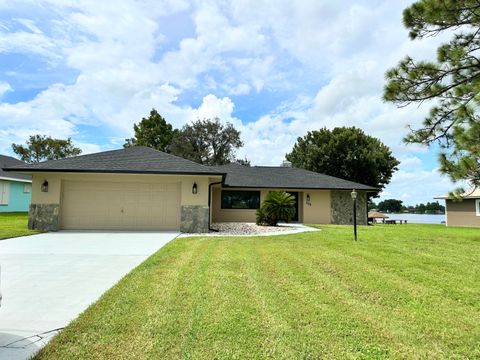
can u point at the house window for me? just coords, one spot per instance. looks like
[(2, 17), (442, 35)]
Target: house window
[(27, 188), (4, 192), (240, 199), (477, 207)]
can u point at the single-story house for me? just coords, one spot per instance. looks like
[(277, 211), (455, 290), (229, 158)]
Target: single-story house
[(142, 188), (463, 212), (15, 188)]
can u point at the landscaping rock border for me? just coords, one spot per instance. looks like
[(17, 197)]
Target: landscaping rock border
[(251, 229)]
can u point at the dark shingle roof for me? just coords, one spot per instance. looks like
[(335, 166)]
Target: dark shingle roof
[(138, 159), (144, 160), (8, 161), (284, 177)]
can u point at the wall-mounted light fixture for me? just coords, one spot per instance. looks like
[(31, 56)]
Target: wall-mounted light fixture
[(354, 194), (194, 188), (45, 186), (308, 200)]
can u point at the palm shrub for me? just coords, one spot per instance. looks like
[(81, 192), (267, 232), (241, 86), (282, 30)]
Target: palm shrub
[(278, 205), (263, 218)]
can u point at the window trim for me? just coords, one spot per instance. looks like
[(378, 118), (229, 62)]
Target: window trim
[(27, 186), (4, 193), (256, 192), (477, 207)]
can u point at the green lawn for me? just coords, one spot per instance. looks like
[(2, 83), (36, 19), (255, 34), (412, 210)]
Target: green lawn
[(403, 291), (14, 225)]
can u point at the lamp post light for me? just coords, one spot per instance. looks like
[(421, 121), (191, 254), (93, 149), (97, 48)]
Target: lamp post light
[(354, 198)]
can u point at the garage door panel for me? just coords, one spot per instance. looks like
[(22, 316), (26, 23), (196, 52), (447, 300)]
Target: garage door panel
[(129, 205)]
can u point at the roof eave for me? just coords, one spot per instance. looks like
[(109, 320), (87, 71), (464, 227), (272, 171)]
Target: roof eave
[(452, 198), (15, 179), (298, 188), (31, 171)]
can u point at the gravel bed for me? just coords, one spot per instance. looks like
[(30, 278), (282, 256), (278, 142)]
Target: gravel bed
[(230, 228)]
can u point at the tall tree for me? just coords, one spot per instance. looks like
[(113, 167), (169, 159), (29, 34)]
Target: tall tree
[(41, 147), (244, 162), (434, 207), (371, 204), (390, 205), (207, 142), (346, 153), (451, 83), (152, 131)]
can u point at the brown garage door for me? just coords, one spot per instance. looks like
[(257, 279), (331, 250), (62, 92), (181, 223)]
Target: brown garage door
[(120, 205)]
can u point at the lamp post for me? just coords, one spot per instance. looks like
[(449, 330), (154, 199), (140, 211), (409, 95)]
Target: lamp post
[(354, 198)]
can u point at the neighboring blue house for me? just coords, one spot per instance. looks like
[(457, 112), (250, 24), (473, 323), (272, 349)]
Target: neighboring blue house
[(15, 189)]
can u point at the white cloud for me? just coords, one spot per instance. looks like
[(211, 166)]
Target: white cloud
[(212, 107), (88, 148), (324, 60), (4, 88), (238, 52), (29, 41), (411, 162), (417, 186), (240, 89)]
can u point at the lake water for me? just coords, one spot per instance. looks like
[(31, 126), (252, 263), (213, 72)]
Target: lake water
[(418, 218)]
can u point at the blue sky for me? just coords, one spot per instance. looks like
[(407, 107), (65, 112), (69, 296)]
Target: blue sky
[(275, 69)]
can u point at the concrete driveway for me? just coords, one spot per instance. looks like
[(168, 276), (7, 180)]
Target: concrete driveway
[(47, 280)]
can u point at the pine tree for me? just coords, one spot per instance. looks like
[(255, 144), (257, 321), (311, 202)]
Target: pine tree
[(154, 132), (451, 84)]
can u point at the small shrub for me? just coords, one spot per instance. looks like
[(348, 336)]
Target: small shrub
[(278, 205), (262, 218)]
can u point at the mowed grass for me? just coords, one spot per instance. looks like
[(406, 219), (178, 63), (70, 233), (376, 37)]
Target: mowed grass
[(14, 225), (403, 291)]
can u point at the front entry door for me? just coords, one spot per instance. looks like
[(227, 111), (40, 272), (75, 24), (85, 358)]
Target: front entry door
[(295, 195)]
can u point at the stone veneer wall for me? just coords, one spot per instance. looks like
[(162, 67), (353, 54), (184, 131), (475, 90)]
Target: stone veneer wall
[(194, 219), (44, 217), (342, 208)]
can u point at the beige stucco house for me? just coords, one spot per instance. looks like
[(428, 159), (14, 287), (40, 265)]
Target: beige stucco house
[(144, 189), (465, 212)]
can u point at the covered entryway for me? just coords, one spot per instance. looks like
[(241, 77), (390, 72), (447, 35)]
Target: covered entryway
[(120, 205), (297, 207)]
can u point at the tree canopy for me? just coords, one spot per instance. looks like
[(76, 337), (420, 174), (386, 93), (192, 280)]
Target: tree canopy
[(451, 83), (429, 208), (207, 142), (41, 147), (152, 131), (390, 205), (244, 162), (347, 153)]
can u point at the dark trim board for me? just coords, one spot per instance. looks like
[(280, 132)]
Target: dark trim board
[(114, 172), (293, 188)]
